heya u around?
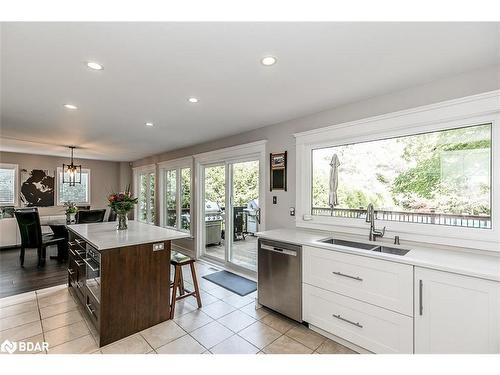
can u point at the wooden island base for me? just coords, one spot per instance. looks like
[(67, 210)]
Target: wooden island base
[(123, 290)]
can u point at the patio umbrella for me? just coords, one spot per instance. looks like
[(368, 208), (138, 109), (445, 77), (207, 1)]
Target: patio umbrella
[(334, 182)]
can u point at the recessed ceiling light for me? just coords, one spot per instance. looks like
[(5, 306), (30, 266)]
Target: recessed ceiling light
[(149, 124), (193, 100), (268, 60), (94, 65), (70, 106)]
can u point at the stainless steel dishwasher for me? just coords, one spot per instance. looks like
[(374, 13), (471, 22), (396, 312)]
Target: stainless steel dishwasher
[(279, 277)]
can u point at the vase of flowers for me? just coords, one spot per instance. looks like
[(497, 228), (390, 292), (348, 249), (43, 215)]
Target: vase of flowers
[(71, 210), (122, 203)]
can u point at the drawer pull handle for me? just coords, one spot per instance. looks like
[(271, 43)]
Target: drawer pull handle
[(94, 269), (347, 320), (420, 297), (91, 310), (349, 276)]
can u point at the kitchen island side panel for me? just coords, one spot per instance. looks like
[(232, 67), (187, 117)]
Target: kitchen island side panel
[(135, 292)]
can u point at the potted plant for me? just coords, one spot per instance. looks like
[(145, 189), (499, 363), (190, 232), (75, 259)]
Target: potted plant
[(71, 210), (122, 203)]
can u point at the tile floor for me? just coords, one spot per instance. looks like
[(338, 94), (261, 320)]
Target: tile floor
[(226, 324)]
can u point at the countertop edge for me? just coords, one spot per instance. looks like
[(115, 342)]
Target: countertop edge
[(132, 243)]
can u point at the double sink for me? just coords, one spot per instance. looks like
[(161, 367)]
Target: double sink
[(366, 246)]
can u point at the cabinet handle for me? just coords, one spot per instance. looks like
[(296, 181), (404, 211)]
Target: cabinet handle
[(79, 263), (420, 297), (90, 266), (347, 320), (70, 271), (91, 310), (349, 276)]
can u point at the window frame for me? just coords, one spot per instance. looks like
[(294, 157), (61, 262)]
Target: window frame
[(14, 167), (469, 111), (177, 165), (58, 183), (137, 173)]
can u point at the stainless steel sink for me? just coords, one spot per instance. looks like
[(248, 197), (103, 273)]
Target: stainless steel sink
[(390, 250), (357, 245), (366, 246)]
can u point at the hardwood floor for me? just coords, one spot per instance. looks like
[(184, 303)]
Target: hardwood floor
[(15, 280)]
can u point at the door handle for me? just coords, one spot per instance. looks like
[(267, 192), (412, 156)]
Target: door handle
[(257, 215)]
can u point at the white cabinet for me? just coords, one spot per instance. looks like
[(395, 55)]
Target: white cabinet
[(370, 327), (379, 282), (456, 314), (9, 232)]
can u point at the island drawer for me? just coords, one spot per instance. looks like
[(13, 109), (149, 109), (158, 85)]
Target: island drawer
[(370, 327), (379, 282), (93, 309)]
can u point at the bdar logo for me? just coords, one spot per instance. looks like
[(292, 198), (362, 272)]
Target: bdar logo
[(8, 347)]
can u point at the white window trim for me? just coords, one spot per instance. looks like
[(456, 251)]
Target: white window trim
[(137, 172), (225, 155), (472, 110), (15, 167), (84, 170), (177, 165)]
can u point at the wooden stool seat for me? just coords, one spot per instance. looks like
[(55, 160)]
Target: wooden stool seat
[(178, 260)]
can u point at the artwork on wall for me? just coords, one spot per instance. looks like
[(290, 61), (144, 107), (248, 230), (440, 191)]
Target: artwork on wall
[(278, 171), (37, 188)]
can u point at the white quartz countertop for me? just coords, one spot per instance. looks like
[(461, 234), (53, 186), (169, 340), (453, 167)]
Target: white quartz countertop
[(105, 235), (467, 262)]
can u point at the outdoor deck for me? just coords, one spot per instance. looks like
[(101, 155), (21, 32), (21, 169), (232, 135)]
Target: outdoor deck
[(244, 252)]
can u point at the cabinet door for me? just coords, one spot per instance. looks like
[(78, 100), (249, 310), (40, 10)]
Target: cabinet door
[(9, 232), (455, 314)]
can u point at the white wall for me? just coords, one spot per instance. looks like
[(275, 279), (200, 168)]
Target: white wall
[(280, 136)]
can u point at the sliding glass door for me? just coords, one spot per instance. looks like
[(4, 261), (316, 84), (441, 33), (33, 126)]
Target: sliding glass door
[(229, 225), (214, 211), (245, 213)]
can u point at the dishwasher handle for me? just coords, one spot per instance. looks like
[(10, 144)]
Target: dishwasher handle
[(278, 250)]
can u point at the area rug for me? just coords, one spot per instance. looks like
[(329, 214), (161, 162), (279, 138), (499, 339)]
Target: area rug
[(232, 282)]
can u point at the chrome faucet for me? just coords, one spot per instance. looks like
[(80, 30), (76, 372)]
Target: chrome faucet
[(370, 218)]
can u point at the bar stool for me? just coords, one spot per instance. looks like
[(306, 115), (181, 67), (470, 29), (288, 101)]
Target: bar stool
[(178, 260)]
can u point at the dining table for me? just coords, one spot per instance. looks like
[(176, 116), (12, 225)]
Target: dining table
[(59, 228)]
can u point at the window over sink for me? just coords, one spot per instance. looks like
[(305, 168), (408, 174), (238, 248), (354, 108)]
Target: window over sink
[(439, 177)]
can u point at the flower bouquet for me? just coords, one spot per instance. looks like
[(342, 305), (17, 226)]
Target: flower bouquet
[(122, 204), (71, 210)]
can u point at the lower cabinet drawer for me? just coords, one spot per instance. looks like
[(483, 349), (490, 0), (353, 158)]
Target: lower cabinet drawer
[(373, 328), (378, 282), (92, 307)]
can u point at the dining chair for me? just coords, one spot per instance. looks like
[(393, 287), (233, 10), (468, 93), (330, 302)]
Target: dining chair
[(90, 216), (112, 215), (32, 237)]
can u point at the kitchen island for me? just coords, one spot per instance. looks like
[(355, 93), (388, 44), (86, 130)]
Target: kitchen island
[(121, 277)]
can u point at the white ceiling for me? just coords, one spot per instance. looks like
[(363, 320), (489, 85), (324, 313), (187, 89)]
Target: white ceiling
[(150, 69)]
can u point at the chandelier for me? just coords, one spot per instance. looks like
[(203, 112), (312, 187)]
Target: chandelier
[(72, 173)]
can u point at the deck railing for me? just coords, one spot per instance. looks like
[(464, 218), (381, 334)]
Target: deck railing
[(467, 221)]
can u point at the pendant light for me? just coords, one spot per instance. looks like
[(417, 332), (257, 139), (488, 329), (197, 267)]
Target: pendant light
[(72, 173)]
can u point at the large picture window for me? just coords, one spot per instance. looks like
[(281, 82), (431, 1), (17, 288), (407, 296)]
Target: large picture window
[(79, 193), (441, 177)]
